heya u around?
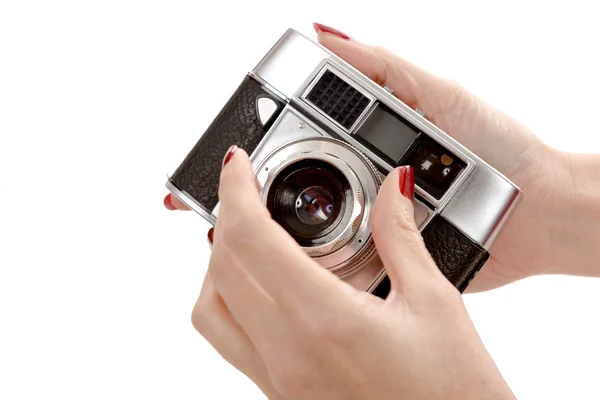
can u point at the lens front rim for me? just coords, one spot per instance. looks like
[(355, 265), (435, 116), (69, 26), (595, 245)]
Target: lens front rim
[(353, 240)]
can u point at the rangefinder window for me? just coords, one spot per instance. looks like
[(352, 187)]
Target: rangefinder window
[(336, 98), (435, 167), (385, 132)]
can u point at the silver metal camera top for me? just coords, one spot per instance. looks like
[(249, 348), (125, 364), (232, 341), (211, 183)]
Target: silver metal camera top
[(477, 202)]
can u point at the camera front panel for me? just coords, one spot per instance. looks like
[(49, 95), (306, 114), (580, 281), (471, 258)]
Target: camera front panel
[(465, 190), (301, 90)]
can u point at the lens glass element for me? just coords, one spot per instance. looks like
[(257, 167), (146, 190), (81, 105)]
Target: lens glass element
[(314, 205), (308, 199)]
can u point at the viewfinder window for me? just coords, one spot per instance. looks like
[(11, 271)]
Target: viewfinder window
[(385, 132)]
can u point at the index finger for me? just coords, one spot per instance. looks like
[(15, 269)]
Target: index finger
[(265, 250), (414, 86)]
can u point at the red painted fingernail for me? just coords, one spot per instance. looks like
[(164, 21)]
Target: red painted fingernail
[(407, 181), (327, 29), (211, 233), (167, 202), (229, 154)]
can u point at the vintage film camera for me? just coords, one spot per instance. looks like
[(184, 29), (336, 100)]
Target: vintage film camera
[(321, 137)]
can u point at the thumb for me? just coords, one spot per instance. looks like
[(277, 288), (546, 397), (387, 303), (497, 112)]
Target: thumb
[(397, 238)]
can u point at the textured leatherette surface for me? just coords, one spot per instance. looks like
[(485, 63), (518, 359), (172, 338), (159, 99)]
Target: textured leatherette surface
[(456, 255), (238, 123)]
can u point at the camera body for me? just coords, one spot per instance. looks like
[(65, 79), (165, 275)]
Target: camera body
[(321, 137)]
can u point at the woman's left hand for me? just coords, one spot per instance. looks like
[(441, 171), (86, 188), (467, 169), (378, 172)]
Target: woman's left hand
[(299, 332)]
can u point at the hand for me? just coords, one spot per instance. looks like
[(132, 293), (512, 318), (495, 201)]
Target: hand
[(545, 234), (299, 332)]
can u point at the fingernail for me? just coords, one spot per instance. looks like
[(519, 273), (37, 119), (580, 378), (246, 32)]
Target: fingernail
[(211, 233), (229, 154), (327, 29), (167, 202), (407, 181)]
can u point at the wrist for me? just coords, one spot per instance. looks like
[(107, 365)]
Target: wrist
[(487, 388), (574, 218)]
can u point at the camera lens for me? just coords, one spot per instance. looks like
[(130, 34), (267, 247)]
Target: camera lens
[(307, 198), (314, 205), (321, 191)]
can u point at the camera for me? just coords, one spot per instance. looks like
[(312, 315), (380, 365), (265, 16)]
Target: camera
[(321, 138)]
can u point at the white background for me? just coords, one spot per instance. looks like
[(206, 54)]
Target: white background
[(99, 100)]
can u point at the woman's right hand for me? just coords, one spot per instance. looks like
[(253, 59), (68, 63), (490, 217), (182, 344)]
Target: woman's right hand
[(556, 228)]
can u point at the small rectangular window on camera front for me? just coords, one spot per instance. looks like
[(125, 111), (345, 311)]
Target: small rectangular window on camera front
[(385, 132), (435, 167), (338, 99)]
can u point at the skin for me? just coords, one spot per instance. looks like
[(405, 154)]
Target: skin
[(299, 332)]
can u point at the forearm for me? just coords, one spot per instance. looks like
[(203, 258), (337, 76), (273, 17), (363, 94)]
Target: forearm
[(575, 223)]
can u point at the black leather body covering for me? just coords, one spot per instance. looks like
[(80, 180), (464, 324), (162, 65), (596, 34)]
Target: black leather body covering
[(238, 123), (456, 255)]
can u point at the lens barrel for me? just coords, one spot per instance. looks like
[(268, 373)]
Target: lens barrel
[(308, 200), (321, 191)]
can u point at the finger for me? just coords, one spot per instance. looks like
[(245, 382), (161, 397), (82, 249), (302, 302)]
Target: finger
[(266, 251), (445, 103), (171, 202), (397, 238), (214, 322), (411, 84), (253, 309), (212, 319)]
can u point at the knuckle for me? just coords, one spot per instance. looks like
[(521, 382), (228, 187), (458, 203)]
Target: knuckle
[(245, 228), (200, 318), (404, 219), (399, 224), (454, 89), (320, 330), (243, 218), (331, 328), (441, 295), (290, 380), (455, 96), (214, 272), (385, 56), (447, 300), (384, 65), (220, 262), (236, 232)]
